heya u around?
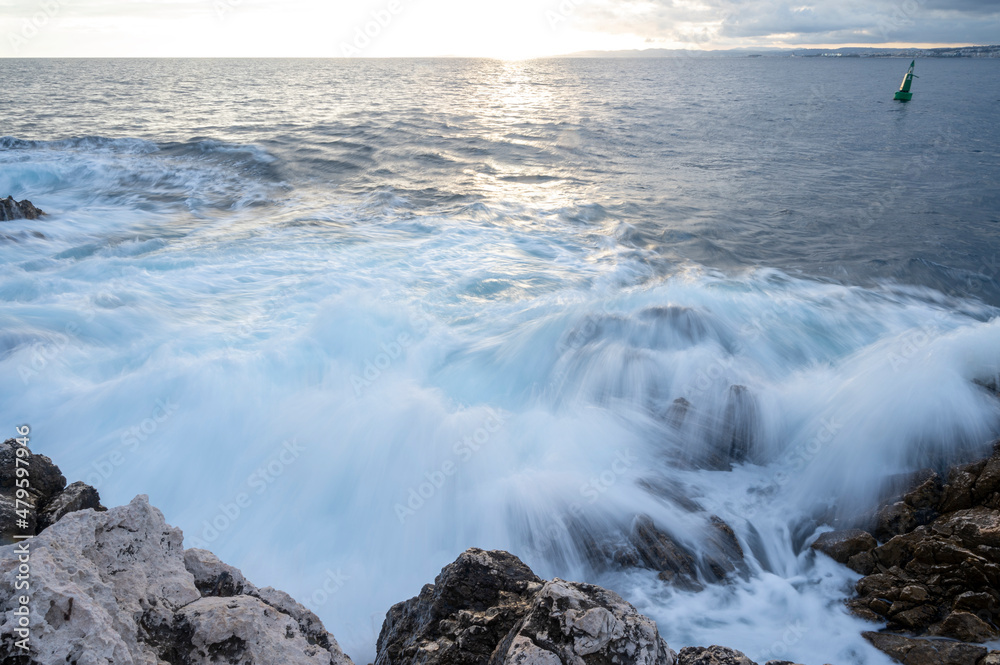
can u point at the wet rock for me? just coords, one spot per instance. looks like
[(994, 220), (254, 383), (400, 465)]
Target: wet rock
[(842, 546), (672, 326), (571, 623), (658, 551), (958, 491), (673, 491), (113, 587), (942, 578), (991, 385), (462, 617), (488, 607), (677, 413), (722, 553), (926, 492), (11, 209), (894, 520), (741, 424), (713, 655), (737, 432), (966, 627), (916, 651), (863, 563)]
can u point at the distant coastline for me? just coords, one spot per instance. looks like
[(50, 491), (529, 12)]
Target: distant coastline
[(989, 51)]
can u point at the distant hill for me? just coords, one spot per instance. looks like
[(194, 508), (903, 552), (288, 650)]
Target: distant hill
[(992, 51)]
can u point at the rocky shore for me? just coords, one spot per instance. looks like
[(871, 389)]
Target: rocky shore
[(11, 209), (931, 565), (117, 586)]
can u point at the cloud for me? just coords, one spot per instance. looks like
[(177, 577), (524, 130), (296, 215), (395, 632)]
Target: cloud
[(760, 22)]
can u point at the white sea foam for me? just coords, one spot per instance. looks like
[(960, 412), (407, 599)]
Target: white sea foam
[(373, 392)]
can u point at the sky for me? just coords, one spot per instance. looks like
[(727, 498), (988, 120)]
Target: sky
[(479, 28)]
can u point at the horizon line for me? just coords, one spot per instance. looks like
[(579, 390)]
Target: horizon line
[(597, 53)]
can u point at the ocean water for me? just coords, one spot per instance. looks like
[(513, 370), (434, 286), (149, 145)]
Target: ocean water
[(342, 320)]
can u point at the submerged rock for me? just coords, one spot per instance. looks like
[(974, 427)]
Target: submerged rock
[(658, 551), (734, 436), (11, 209), (488, 608)]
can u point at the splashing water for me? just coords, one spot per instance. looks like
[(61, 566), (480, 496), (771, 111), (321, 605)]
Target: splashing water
[(338, 393)]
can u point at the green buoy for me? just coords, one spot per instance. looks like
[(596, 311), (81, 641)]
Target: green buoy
[(904, 94)]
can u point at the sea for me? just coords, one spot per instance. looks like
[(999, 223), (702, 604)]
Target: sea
[(343, 319)]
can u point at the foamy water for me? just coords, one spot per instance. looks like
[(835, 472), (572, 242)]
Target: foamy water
[(339, 388)]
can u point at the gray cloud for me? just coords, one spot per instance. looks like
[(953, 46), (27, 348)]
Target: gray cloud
[(799, 21)]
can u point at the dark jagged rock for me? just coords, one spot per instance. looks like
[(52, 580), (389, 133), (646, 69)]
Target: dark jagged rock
[(11, 209), (46, 492), (658, 551), (941, 578), (722, 553), (44, 481), (851, 547), (918, 506), (489, 608), (77, 496), (713, 655), (463, 616), (646, 545), (735, 439), (916, 651)]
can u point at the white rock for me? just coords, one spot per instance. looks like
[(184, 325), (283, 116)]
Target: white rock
[(112, 588), (227, 629), (591, 621)]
